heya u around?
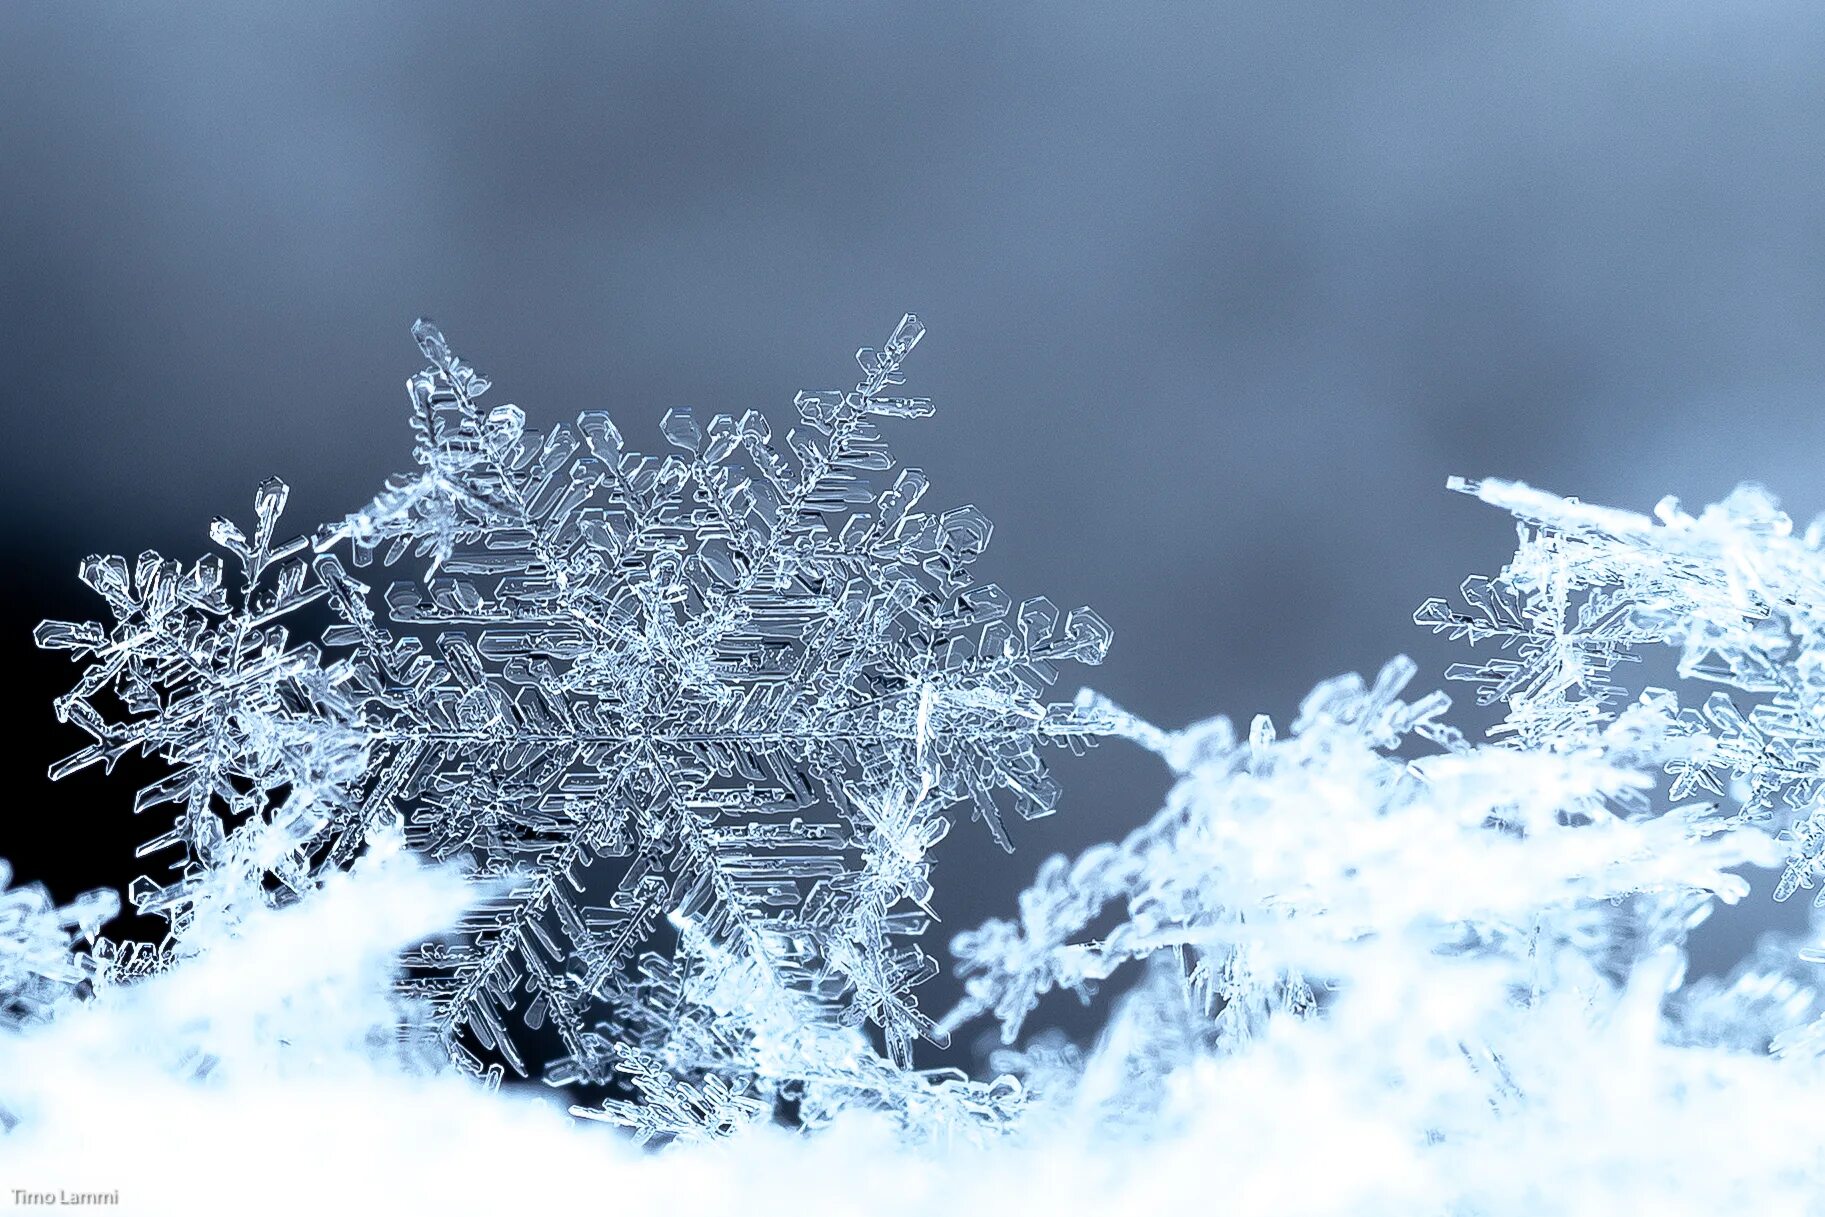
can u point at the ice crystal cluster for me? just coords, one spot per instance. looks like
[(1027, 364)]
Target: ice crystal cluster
[(646, 764)]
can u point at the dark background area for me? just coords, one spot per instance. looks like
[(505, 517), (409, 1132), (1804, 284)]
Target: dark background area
[(1218, 293)]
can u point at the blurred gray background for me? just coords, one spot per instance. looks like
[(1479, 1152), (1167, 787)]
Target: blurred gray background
[(1218, 293)]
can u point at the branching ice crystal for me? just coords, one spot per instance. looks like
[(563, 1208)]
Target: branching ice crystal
[(40, 964), (696, 719), (1733, 591), (1280, 866)]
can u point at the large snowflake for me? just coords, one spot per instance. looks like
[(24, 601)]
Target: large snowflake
[(697, 719)]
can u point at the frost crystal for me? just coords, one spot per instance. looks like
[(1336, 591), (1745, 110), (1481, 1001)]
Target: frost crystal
[(1733, 591), (1283, 867), (695, 719), (41, 966)]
